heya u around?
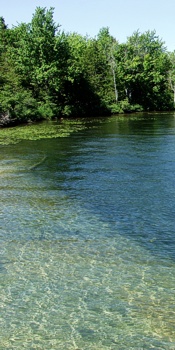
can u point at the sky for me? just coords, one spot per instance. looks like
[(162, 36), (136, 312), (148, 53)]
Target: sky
[(87, 17)]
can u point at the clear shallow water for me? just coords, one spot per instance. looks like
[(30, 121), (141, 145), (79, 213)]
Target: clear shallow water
[(87, 238)]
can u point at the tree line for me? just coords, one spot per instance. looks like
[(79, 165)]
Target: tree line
[(47, 73)]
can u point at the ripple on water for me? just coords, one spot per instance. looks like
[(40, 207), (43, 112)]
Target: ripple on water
[(81, 265), (93, 293)]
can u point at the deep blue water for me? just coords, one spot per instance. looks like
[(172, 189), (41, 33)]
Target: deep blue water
[(87, 234)]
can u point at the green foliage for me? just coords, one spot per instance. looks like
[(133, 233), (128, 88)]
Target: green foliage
[(20, 106), (171, 78), (15, 101), (143, 67), (125, 107), (47, 109), (45, 73)]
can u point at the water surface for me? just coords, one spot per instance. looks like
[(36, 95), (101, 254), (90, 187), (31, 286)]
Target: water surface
[(87, 237)]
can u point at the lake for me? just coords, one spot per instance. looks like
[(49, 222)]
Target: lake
[(87, 236)]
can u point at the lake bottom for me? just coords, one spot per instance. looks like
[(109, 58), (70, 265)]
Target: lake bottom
[(82, 287), (87, 243)]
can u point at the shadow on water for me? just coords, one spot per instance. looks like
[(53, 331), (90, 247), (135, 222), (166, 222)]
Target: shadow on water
[(120, 170)]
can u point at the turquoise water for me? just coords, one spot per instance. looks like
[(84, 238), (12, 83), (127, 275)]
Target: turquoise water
[(87, 238)]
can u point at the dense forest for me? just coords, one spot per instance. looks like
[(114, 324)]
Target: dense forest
[(47, 73)]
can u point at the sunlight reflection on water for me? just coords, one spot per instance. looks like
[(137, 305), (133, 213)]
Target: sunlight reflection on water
[(75, 272)]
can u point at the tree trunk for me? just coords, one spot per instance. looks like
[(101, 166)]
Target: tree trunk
[(115, 87)]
